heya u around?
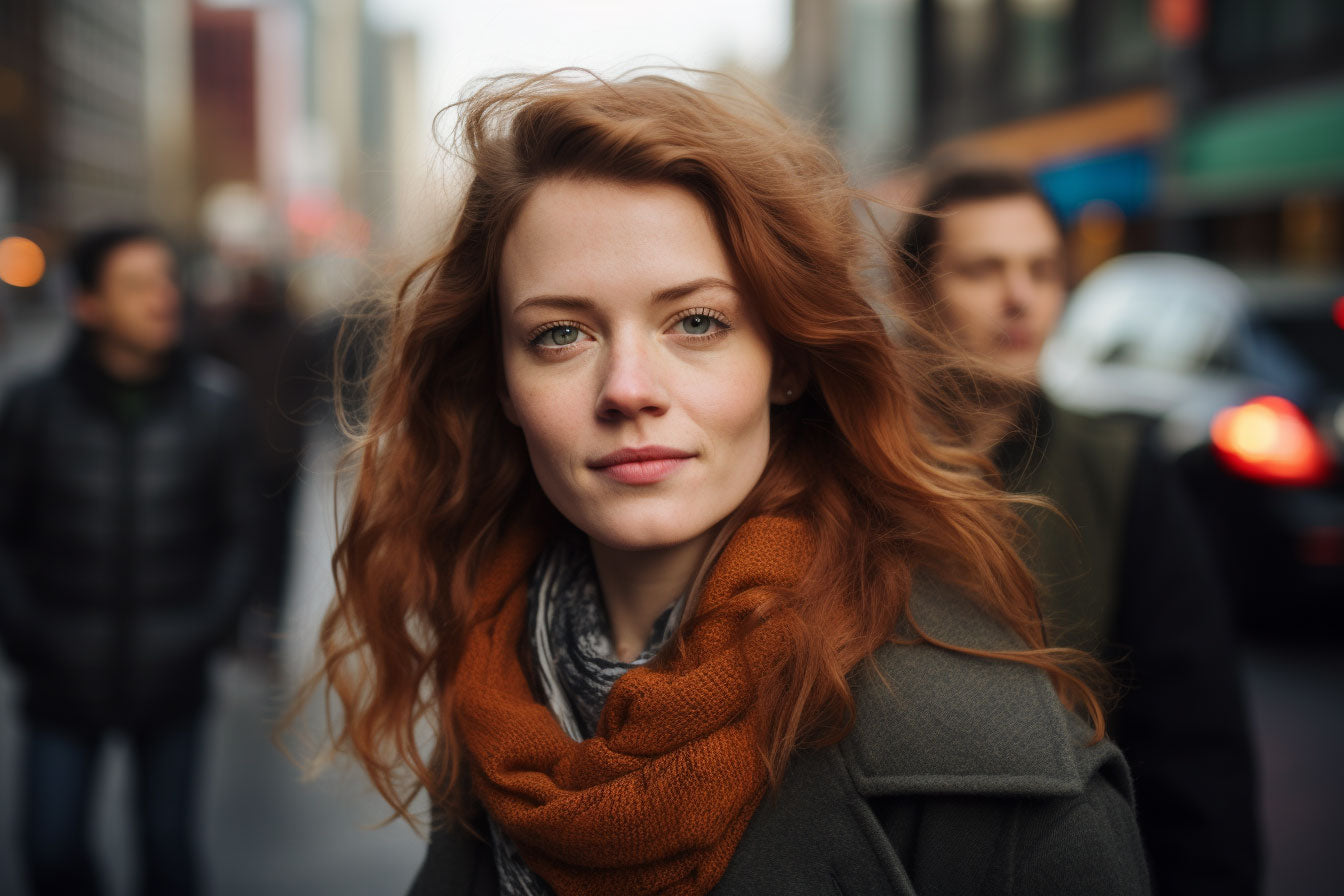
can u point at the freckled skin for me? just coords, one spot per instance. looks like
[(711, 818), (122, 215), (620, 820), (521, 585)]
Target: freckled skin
[(998, 273), (611, 365)]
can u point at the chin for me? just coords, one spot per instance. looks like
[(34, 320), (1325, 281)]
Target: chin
[(1017, 365), (651, 538), (651, 529), (160, 343)]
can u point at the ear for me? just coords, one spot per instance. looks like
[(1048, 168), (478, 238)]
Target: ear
[(788, 381)]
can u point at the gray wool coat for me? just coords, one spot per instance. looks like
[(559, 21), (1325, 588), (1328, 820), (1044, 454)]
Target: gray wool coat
[(961, 776)]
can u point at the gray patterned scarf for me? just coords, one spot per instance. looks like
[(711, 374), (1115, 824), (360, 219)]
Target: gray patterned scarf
[(574, 666)]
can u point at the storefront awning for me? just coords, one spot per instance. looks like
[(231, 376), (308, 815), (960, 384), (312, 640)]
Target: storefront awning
[(1262, 148)]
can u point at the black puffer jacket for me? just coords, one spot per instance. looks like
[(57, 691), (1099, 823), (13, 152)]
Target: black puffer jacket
[(125, 526)]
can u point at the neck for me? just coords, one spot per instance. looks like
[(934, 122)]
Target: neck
[(637, 586), (126, 364)]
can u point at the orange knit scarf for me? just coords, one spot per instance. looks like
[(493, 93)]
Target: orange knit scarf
[(657, 801)]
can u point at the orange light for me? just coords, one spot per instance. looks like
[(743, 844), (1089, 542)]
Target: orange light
[(1179, 21), (21, 261), (1339, 312), (1270, 440)]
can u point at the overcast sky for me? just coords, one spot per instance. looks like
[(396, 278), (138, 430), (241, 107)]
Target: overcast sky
[(463, 39)]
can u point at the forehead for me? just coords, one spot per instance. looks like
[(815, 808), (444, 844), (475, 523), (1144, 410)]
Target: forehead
[(598, 238), (1012, 225), (135, 256)]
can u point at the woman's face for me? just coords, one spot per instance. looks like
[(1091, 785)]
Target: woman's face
[(636, 368)]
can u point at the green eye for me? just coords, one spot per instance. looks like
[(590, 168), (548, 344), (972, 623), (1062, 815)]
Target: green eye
[(697, 324), (563, 335)]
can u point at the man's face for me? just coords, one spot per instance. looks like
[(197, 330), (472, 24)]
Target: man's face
[(999, 276), (136, 304)]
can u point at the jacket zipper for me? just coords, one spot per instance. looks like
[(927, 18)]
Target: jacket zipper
[(123, 649)]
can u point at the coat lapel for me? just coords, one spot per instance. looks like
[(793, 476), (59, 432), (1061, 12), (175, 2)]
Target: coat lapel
[(815, 836)]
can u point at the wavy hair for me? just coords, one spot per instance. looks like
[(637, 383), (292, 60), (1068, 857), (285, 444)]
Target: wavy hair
[(866, 458)]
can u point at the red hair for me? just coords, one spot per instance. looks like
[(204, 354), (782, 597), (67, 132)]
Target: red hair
[(863, 458)]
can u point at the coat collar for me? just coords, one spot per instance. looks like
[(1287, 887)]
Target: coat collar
[(81, 367), (931, 722), (934, 721)]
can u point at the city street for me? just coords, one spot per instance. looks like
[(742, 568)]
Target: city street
[(1125, 220), (266, 831)]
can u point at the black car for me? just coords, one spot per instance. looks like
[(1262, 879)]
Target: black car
[(1244, 377)]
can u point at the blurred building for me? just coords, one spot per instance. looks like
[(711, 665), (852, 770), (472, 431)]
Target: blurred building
[(271, 127), (1178, 124), (72, 112)]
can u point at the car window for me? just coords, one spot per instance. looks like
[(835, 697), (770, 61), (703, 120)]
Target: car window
[(1180, 333), (1184, 335)]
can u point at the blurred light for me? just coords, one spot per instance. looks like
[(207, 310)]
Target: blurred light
[(1268, 439), (1178, 21), (1339, 312), (238, 221), (21, 261), (323, 223)]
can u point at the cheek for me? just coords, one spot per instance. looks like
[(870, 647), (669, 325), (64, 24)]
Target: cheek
[(737, 407), (548, 423), (966, 313), (1051, 309), (129, 320), (554, 413)]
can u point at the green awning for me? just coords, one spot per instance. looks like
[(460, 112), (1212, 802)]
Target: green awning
[(1292, 141)]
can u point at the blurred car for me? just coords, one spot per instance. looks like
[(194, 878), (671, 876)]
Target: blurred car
[(1244, 380)]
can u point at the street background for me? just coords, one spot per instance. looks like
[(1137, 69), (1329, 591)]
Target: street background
[(298, 136)]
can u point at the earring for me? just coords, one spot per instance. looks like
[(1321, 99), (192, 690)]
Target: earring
[(788, 393)]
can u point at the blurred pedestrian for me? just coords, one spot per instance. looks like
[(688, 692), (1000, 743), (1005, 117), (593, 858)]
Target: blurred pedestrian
[(1133, 582), (125, 551), (280, 364), (653, 531)]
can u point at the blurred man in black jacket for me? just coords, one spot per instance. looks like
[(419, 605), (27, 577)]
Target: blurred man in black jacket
[(126, 509), (1127, 575)]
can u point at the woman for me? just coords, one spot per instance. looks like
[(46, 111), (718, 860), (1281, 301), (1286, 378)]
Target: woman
[(657, 546)]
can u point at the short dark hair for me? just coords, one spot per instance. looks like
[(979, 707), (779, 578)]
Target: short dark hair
[(949, 185), (91, 249)]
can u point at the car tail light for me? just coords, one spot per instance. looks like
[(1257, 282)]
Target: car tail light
[(1270, 440)]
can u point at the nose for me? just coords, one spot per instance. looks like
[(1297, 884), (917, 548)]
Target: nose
[(632, 381), (1017, 292)]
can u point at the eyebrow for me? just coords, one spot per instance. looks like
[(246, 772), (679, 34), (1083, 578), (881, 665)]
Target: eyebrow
[(579, 303)]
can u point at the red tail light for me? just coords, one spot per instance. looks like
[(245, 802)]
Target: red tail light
[(1270, 440)]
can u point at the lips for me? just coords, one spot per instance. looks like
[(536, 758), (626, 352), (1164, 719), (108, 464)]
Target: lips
[(641, 466), (1017, 339)]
